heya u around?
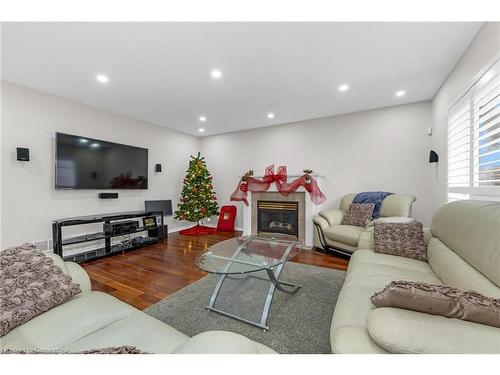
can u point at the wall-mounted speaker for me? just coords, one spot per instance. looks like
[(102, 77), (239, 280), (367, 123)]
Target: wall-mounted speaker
[(158, 168), (108, 195), (433, 157), (23, 154)]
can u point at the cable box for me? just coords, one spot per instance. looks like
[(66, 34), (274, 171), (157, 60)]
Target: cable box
[(121, 227)]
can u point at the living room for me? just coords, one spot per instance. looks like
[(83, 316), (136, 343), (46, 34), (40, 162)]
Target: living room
[(250, 187)]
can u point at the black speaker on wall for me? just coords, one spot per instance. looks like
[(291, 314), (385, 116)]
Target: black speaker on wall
[(108, 195), (23, 154), (433, 157)]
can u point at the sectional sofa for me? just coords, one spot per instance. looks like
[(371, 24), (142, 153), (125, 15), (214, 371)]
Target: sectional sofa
[(463, 246), (93, 320)]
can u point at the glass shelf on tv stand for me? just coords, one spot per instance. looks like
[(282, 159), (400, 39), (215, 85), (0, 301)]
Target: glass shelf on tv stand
[(81, 255), (100, 236)]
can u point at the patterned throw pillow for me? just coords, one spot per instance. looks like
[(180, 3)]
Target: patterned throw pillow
[(30, 284), (110, 350), (440, 300), (405, 240), (359, 214)]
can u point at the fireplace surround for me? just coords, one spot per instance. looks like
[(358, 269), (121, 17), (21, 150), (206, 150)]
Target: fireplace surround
[(307, 209)]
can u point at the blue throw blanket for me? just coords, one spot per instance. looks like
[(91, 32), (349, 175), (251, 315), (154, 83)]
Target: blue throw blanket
[(375, 197)]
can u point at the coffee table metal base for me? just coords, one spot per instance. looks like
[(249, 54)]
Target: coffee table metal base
[(273, 278)]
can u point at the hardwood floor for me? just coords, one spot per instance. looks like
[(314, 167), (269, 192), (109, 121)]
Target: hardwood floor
[(147, 275)]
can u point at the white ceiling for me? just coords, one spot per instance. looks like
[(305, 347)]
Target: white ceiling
[(160, 72)]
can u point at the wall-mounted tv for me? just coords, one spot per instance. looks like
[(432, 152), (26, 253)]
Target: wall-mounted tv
[(87, 163)]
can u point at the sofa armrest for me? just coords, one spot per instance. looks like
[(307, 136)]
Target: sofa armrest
[(76, 272), (333, 217), (406, 331), (366, 239), (321, 221), (427, 235), (79, 276)]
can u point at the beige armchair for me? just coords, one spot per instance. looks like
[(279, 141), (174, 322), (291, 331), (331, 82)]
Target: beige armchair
[(331, 234)]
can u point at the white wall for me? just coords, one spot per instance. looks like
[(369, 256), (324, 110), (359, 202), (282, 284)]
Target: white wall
[(482, 51), (29, 201), (384, 149)]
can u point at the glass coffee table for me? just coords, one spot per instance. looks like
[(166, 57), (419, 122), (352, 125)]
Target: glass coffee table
[(249, 269)]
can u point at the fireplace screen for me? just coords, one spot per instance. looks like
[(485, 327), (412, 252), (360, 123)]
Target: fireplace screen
[(278, 217)]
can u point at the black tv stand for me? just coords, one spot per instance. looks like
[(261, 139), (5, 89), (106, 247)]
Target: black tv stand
[(153, 235)]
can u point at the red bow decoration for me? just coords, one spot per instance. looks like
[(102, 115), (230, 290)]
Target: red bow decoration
[(249, 183)]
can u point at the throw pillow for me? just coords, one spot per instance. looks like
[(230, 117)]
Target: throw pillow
[(359, 214), (110, 350), (30, 284), (406, 240), (440, 300)]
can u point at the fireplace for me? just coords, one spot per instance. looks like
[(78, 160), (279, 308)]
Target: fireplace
[(279, 217)]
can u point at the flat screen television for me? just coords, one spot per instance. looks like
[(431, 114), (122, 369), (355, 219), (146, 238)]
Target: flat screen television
[(86, 163)]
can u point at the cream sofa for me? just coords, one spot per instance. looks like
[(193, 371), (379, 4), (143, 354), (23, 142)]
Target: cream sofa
[(331, 234), (97, 320), (464, 252)]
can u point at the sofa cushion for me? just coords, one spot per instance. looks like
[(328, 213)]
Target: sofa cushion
[(80, 316), (431, 334), (138, 329), (348, 234), (370, 257), (397, 205), (376, 275), (470, 229), (456, 272), (221, 342), (359, 214), (365, 276)]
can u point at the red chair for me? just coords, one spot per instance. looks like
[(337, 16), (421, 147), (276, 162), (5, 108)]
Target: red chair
[(227, 218)]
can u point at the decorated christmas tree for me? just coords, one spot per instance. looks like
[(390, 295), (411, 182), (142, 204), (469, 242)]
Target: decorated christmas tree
[(198, 200)]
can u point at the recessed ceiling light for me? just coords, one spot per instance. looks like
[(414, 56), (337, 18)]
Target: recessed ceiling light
[(400, 93), (270, 115), (94, 145), (344, 87), (102, 78), (201, 130), (203, 118), (83, 140), (216, 74)]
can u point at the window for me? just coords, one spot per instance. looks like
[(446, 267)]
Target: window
[(474, 141)]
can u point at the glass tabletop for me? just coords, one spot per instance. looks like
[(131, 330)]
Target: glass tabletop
[(247, 254)]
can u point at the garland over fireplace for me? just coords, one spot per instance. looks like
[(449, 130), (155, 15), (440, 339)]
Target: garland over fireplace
[(278, 217)]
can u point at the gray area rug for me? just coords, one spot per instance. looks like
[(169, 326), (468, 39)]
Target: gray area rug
[(298, 323)]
